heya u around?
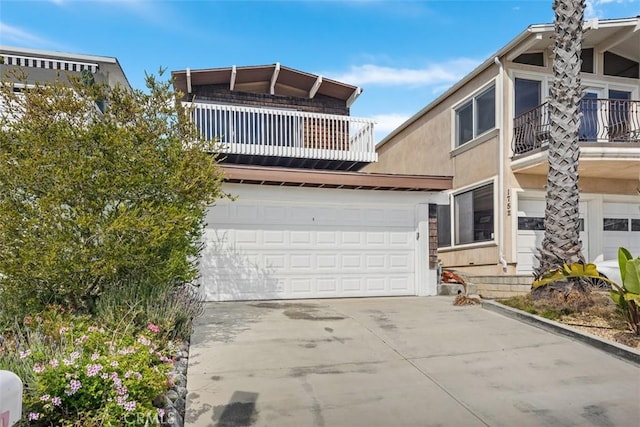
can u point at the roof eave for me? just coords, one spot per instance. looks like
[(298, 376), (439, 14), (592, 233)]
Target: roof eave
[(531, 30)]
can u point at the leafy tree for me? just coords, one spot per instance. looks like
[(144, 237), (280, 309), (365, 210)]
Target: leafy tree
[(93, 198), (561, 244)]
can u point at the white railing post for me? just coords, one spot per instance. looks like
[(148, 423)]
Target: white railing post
[(285, 133), (10, 399)]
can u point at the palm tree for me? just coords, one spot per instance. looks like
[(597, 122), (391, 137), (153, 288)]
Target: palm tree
[(561, 243)]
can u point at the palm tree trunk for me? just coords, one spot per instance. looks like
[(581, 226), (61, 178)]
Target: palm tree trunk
[(561, 243)]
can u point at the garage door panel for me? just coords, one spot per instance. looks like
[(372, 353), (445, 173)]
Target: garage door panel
[(350, 238), (397, 238), (399, 283), (375, 284), (328, 238), (375, 238), (374, 261), (351, 262), (301, 237), (273, 252)]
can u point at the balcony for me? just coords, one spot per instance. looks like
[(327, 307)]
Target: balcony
[(272, 137), (603, 121), (609, 139)]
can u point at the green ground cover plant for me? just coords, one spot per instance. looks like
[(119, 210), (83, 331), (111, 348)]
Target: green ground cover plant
[(104, 195)]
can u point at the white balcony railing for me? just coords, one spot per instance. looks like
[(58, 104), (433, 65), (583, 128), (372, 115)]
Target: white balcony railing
[(285, 133)]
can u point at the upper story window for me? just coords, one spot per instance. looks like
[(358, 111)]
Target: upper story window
[(476, 116), (586, 56), (536, 58), (616, 65)]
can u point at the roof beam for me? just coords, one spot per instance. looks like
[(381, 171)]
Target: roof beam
[(315, 87), (356, 93), (524, 47), (274, 78), (232, 82)]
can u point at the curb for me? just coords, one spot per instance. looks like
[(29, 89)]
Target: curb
[(613, 348)]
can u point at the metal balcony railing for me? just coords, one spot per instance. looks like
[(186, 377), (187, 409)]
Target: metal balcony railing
[(285, 133), (603, 121)]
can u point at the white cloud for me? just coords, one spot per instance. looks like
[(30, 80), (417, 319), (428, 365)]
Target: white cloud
[(596, 8), (18, 36), (385, 123), (438, 73)]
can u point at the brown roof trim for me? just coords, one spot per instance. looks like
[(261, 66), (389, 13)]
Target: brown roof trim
[(264, 73), (261, 175)]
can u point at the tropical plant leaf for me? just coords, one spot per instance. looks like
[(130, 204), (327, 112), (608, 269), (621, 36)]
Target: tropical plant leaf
[(550, 277), (615, 296), (632, 297), (573, 270), (623, 256), (631, 281)]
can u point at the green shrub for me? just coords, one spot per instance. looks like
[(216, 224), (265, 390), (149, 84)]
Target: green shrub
[(171, 305), (79, 374), (90, 199)]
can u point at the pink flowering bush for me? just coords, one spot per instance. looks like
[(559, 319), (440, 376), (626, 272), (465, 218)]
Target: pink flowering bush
[(78, 374)]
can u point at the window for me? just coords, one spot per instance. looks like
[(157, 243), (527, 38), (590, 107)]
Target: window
[(586, 56), (616, 65), (444, 226), (531, 223), (528, 94), (476, 116), (536, 59), (635, 224), (473, 215), (616, 224)]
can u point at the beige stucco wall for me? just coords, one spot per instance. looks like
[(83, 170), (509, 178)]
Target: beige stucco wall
[(424, 147)]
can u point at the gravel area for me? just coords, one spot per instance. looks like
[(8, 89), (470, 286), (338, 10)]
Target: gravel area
[(602, 328)]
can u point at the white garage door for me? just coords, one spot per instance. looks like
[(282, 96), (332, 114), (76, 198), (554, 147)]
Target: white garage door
[(621, 227), (313, 248), (531, 233)]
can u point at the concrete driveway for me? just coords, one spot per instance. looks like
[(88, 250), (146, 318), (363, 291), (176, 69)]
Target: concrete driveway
[(397, 362)]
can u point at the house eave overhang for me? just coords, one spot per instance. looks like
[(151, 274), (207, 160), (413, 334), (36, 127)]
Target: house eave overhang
[(246, 174), (274, 77), (532, 35)]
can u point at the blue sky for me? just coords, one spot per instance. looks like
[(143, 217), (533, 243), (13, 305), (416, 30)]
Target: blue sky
[(402, 53)]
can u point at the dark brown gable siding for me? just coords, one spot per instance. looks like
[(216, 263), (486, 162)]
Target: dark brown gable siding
[(319, 104)]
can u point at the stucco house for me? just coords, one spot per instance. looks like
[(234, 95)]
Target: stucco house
[(304, 222), (490, 132)]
